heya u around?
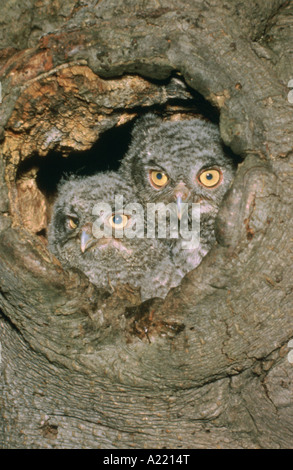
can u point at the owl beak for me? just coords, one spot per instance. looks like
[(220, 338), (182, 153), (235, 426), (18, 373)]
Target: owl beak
[(86, 237), (181, 193), (179, 207)]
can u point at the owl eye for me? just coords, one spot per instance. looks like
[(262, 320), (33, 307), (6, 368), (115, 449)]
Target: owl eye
[(210, 178), (118, 221), (73, 222), (158, 179)]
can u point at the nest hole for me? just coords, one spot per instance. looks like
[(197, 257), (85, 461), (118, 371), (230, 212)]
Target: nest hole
[(105, 154)]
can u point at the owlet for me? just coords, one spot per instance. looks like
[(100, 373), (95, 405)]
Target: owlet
[(183, 162)]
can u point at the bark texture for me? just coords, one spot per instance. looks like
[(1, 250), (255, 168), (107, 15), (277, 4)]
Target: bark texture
[(209, 365)]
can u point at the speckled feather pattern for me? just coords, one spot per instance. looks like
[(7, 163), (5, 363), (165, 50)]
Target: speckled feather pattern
[(181, 149), (144, 263)]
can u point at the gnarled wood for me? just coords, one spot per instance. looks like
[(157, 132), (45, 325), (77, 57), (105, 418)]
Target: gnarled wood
[(207, 366)]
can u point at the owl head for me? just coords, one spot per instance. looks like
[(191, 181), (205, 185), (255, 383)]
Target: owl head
[(178, 161), (90, 232)]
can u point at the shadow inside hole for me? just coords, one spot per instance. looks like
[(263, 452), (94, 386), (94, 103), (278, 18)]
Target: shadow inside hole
[(112, 145), (105, 155)]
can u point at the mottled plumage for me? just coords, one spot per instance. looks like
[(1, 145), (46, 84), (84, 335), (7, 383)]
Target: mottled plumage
[(140, 262), (180, 161)]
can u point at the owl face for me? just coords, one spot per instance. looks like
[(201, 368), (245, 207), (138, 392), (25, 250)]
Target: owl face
[(71, 229), (181, 161), (77, 232), (74, 236)]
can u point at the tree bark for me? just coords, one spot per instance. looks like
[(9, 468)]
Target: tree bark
[(209, 366)]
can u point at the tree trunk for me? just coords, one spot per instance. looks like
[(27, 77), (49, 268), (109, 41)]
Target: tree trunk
[(209, 366)]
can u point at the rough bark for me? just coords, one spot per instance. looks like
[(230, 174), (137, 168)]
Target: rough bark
[(207, 366)]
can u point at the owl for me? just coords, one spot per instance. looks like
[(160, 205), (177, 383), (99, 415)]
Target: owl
[(92, 229), (183, 162)]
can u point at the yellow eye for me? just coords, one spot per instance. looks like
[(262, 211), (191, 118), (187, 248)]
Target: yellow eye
[(72, 222), (210, 178), (118, 221), (158, 179)]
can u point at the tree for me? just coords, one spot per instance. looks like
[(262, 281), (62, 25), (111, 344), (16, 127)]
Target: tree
[(209, 366)]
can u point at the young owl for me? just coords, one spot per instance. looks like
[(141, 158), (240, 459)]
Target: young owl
[(94, 240), (180, 162)]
